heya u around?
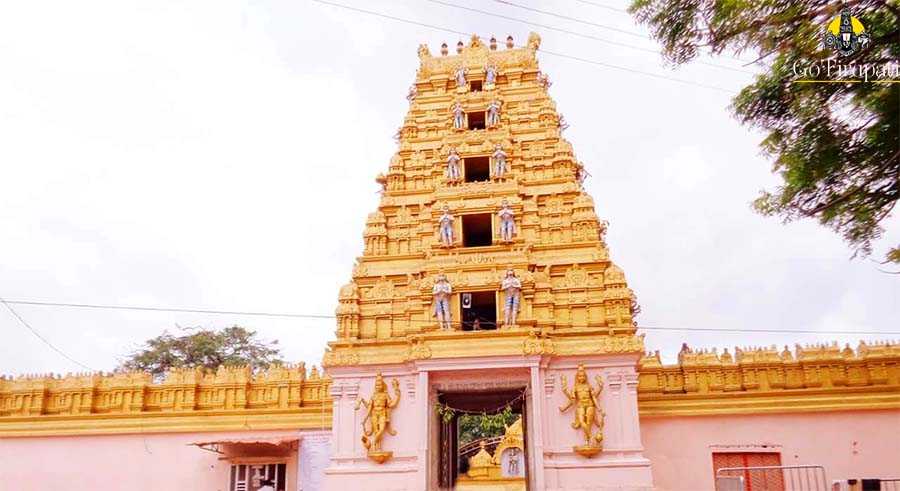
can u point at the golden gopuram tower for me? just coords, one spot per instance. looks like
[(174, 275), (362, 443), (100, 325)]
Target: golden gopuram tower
[(574, 299), (485, 271)]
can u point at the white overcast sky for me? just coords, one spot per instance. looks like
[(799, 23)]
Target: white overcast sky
[(222, 154)]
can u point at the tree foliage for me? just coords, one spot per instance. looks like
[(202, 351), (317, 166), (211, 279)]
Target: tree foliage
[(203, 348), (477, 426), (836, 146)]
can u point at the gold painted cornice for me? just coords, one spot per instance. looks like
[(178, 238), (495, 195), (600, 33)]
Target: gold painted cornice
[(167, 422), (813, 378), (230, 398), (467, 344)]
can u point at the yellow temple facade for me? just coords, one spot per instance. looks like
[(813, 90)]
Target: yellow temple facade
[(485, 282)]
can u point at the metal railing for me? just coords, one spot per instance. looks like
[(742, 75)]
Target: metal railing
[(772, 478)]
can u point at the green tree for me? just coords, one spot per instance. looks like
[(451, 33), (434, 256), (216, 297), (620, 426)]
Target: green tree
[(203, 348), (477, 426), (835, 145)]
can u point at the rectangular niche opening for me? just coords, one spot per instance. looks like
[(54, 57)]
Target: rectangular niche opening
[(477, 169), (475, 86), (480, 307), (477, 230), (476, 120)]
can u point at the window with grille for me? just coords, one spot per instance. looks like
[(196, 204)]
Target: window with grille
[(248, 477), (754, 479)]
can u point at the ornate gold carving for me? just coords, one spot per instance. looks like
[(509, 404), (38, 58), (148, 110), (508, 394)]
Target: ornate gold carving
[(820, 377), (340, 358), (624, 343), (378, 418), (133, 394), (417, 350), (538, 343), (587, 411), (383, 290)]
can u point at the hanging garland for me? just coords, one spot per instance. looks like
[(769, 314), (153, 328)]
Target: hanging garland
[(490, 419)]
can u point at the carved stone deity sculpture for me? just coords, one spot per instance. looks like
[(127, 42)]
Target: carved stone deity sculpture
[(445, 227), (441, 292), (460, 76), (493, 114), (453, 172), (500, 167), (459, 116), (507, 222), (512, 289), (378, 418), (490, 76), (580, 173), (587, 411)]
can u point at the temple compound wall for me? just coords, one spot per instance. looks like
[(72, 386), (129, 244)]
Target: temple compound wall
[(820, 405), (485, 286)]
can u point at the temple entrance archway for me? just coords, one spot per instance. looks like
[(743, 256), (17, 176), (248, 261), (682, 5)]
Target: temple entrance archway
[(482, 443)]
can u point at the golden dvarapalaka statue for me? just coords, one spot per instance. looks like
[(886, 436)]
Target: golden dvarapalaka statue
[(378, 418), (587, 411)]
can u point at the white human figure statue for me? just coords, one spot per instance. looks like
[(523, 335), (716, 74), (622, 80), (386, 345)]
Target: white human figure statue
[(453, 172), (459, 116), (493, 114), (507, 222), (490, 75), (460, 76), (445, 226), (500, 167), (413, 92), (512, 289), (441, 292)]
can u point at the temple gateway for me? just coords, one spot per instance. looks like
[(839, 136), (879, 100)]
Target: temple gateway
[(485, 340)]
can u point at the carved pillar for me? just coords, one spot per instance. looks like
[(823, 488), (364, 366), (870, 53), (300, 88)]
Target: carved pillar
[(336, 419), (617, 409), (536, 401), (423, 419)]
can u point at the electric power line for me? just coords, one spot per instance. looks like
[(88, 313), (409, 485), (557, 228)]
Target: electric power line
[(580, 34), (331, 316), (561, 55), (602, 6), (42, 338), (559, 16), (391, 17)]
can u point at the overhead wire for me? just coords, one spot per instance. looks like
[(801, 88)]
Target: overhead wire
[(559, 16), (602, 6), (551, 53), (580, 34), (298, 315), (38, 335)]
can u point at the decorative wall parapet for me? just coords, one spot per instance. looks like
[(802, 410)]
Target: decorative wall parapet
[(760, 379), (228, 390)]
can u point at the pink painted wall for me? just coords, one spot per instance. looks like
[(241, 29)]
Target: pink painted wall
[(553, 465), (150, 462), (861, 444)]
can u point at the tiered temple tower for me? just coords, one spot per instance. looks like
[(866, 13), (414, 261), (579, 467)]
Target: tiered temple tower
[(574, 307)]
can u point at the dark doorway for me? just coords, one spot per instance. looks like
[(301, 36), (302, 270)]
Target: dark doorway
[(476, 120), (477, 169), (463, 431), (475, 85), (476, 230), (479, 310)]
